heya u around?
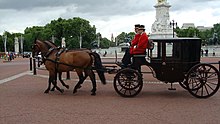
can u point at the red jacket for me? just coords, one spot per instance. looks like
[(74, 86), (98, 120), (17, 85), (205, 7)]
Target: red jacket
[(140, 45), (134, 42)]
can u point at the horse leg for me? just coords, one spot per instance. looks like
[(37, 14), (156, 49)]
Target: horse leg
[(49, 85), (62, 82), (53, 79), (55, 85), (53, 89), (84, 77), (91, 74), (81, 79)]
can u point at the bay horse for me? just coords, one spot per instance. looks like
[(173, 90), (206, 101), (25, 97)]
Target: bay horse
[(81, 61), (52, 45)]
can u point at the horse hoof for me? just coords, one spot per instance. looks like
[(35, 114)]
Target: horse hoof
[(79, 87), (62, 90), (52, 90), (74, 91), (93, 94), (46, 91), (67, 86)]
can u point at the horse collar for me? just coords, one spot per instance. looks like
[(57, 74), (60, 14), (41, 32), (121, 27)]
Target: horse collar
[(49, 52)]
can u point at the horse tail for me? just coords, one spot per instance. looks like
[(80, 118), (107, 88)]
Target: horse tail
[(99, 67)]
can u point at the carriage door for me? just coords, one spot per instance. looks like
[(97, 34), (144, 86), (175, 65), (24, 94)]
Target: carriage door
[(170, 61)]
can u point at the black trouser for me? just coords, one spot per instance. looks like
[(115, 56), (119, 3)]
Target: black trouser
[(137, 62), (126, 60)]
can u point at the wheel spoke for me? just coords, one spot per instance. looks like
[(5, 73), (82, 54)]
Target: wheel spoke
[(197, 91), (206, 89), (202, 92), (121, 89), (130, 92), (125, 91), (212, 83), (209, 86), (212, 74)]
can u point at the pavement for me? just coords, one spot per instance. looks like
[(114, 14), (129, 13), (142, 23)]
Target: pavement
[(22, 101)]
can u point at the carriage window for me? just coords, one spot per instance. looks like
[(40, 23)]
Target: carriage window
[(169, 49), (157, 51), (154, 51)]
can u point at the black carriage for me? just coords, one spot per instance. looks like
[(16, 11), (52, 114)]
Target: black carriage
[(172, 60)]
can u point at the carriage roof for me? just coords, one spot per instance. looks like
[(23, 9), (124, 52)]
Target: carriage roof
[(176, 39), (178, 49)]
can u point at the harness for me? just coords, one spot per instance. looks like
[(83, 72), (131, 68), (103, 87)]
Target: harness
[(57, 59)]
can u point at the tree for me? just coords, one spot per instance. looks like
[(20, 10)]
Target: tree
[(105, 43), (71, 29), (125, 37), (194, 32), (1, 44), (217, 31)]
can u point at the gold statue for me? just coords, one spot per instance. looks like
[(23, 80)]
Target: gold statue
[(161, 1)]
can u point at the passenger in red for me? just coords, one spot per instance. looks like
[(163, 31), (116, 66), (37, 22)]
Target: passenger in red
[(138, 49), (140, 43)]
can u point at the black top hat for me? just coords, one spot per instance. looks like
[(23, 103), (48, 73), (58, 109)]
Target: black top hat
[(141, 27), (137, 25)]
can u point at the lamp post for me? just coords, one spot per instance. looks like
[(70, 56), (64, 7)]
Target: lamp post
[(5, 43), (98, 37), (22, 45), (80, 40), (173, 24), (80, 37)]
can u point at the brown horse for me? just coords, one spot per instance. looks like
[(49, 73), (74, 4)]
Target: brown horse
[(51, 44), (81, 61)]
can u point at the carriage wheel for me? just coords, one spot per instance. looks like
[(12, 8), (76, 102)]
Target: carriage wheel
[(128, 82), (183, 84), (203, 80)]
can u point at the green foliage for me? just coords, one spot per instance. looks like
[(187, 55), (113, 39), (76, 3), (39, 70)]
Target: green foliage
[(105, 43), (1, 44), (68, 28), (206, 36), (125, 37)]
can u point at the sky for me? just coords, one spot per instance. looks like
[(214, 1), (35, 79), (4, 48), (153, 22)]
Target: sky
[(109, 16)]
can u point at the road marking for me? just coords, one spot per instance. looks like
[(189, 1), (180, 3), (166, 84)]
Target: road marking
[(14, 77), (75, 80), (98, 81)]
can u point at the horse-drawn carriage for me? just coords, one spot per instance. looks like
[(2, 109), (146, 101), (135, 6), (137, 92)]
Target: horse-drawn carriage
[(170, 60), (173, 60)]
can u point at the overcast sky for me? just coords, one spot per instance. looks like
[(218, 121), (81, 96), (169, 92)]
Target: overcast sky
[(109, 16)]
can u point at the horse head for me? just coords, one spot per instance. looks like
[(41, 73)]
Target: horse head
[(41, 46)]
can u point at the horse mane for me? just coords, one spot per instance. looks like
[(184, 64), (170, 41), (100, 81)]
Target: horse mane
[(51, 43), (48, 45)]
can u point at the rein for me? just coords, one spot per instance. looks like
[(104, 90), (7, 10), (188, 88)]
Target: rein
[(56, 61), (45, 57)]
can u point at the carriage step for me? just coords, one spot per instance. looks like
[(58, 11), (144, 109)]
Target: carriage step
[(171, 88), (112, 71)]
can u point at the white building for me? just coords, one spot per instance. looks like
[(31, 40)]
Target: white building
[(203, 28), (188, 25)]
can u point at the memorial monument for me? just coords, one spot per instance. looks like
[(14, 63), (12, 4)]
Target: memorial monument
[(162, 28), (63, 43), (16, 44)]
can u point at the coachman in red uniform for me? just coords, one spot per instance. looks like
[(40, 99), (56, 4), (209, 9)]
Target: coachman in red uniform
[(126, 60), (134, 42)]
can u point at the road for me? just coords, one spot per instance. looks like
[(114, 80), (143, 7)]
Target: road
[(22, 101)]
